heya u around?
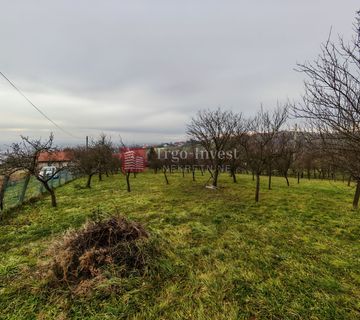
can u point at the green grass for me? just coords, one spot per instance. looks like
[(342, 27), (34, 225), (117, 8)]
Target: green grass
[(295, 255)]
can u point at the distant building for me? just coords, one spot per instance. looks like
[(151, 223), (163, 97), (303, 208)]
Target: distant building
[(133, 159), (58, 159)]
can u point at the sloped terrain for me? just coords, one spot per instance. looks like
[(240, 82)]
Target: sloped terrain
[(295, 255)]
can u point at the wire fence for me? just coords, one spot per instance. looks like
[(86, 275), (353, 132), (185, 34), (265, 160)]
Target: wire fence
[(21, 190)]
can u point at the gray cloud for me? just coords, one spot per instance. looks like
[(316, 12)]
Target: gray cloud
[(143, 68)]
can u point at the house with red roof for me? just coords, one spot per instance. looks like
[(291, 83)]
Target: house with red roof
[(59, 159)]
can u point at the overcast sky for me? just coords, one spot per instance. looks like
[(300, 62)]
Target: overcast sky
[(141, 69)]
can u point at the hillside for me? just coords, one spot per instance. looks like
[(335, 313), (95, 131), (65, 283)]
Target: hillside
[(295, 255)]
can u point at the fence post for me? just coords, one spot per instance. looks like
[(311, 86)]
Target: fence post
[(2, 191), (24, 188)]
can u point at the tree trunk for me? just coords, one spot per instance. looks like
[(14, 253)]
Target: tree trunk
[(215, 177), (88, 183), (233, 174), (2, 191), (349, 181), (193, 174), (100, 176), (257, 190), (52, 193), (357, 195), (270, 176), (298, 177), (128, 181), (53, 198), (286, 178), (166, 178)]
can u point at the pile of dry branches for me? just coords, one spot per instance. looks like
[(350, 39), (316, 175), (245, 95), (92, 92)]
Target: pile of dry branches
[(82, 254)]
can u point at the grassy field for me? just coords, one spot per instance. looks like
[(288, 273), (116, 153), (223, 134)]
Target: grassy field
[(295, 255)]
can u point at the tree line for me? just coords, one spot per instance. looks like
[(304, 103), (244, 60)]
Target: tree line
[(329, 112)]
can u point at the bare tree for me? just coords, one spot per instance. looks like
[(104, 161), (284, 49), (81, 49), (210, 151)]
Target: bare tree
[(25, 156), (127, 172), (288, 148), (257, 143), (95, 158), (153, 160), (331, 102), (236, 161), (86, 162), (214, 129), (103, 149)]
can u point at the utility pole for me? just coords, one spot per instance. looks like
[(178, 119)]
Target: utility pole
[(87, 142)]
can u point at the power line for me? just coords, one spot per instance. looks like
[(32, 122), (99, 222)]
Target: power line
[(37, 108)]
